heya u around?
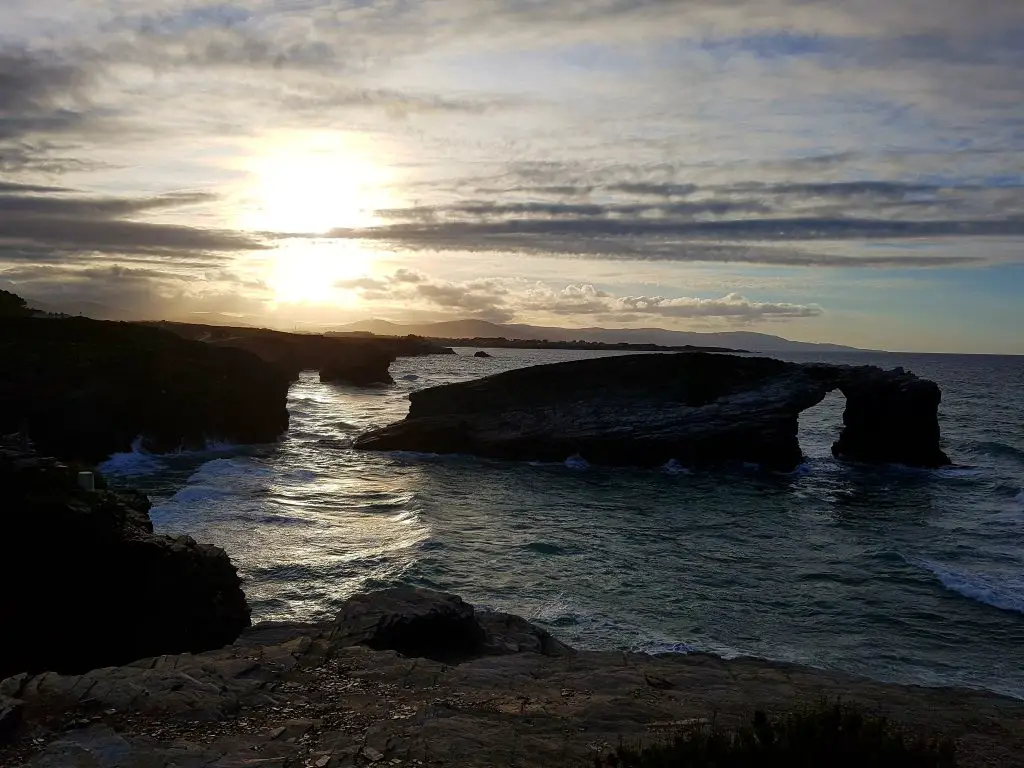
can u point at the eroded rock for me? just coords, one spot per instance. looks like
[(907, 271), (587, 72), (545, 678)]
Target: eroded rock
[(88, 584), (289, 695), (696, 409), (84, 389)]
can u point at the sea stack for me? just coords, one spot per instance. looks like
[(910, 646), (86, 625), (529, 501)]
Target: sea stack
[(693, 408)]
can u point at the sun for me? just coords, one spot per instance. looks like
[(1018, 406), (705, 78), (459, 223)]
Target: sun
[(313, 182), (307, 271)]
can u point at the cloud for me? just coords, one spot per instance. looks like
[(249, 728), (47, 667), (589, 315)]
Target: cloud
[(47, 223), (118, 292), (502, 300)]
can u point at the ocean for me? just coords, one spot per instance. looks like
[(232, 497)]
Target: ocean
[(902, 575)]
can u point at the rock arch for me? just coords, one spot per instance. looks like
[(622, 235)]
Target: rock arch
[(694, 408)]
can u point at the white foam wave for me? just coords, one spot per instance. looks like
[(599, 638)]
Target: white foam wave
[(652, 646), (133, 463), (673, 467), (1007, 594), (577, 462), (957, 472)]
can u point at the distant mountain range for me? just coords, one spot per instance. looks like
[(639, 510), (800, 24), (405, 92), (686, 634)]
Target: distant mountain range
[(469, 329)]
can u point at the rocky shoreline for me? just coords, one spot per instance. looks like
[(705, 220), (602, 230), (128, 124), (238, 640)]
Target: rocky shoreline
[(86, 581), (340, 694)]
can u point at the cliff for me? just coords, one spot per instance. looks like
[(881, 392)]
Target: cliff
[(88, 584), (371, 688), (694, 408), (347, 360), (83, 389)]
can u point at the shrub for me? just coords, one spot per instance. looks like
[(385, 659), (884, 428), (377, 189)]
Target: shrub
[(832, 736)]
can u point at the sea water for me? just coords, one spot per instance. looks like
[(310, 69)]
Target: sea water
[(898, 574)]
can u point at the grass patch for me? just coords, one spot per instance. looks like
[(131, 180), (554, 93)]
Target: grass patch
[(829, 736)]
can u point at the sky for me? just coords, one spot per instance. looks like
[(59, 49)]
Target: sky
[(846, 171)]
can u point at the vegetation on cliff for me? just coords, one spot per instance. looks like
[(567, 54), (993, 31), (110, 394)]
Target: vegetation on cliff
[(833, 735)]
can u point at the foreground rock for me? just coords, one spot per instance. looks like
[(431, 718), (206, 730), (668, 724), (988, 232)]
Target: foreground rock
[(355, 360), (87, 584), (646, 410), (84, 389), (320, 695)]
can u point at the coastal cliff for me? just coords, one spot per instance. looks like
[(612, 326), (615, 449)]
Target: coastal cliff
[(87, 583), (371, 689), (351, 360), (696, 409), (84, 389)]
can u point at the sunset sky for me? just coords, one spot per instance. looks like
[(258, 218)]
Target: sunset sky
[(849, 171)]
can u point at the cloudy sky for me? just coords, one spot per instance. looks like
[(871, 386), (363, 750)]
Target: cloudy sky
[(827, 170)]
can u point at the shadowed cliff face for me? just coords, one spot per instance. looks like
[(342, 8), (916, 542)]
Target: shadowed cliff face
[(646, 410), (88, 584), (83, 389), (345, 360)]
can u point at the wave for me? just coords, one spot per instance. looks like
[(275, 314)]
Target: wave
[(1005, 595), (133, 463), (995, 448), (673, 467), (138, 461), (653, 647), (577, 462), (957, 472), (1019, 498)]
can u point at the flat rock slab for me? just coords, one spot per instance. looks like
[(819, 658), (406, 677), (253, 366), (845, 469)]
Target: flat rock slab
[(288, 695)]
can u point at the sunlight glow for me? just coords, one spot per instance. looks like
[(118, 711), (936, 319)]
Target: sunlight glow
[(312, 182), (306, 271)]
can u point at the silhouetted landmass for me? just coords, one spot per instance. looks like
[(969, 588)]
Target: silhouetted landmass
[(358, 360), (597, 346), (12, 305), (696, 409), (86, 582), (502, 342), (482, 329), (84, 389)]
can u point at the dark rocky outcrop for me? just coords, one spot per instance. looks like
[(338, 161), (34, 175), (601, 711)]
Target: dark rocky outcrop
[(426, 624), (290, 694), (87, 584), (362, 368), (646, 410), (83, 389), (356, 360), (890, 418), (481, 353)]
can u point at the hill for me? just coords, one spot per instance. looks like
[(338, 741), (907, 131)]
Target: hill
[(468, 329)]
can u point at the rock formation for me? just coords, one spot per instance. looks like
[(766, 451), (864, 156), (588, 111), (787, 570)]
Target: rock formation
[(83, 389), (335, 695), (646, 410), (356, 360), (425, 624), (361, 367), (87, 584), (481, 353)]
